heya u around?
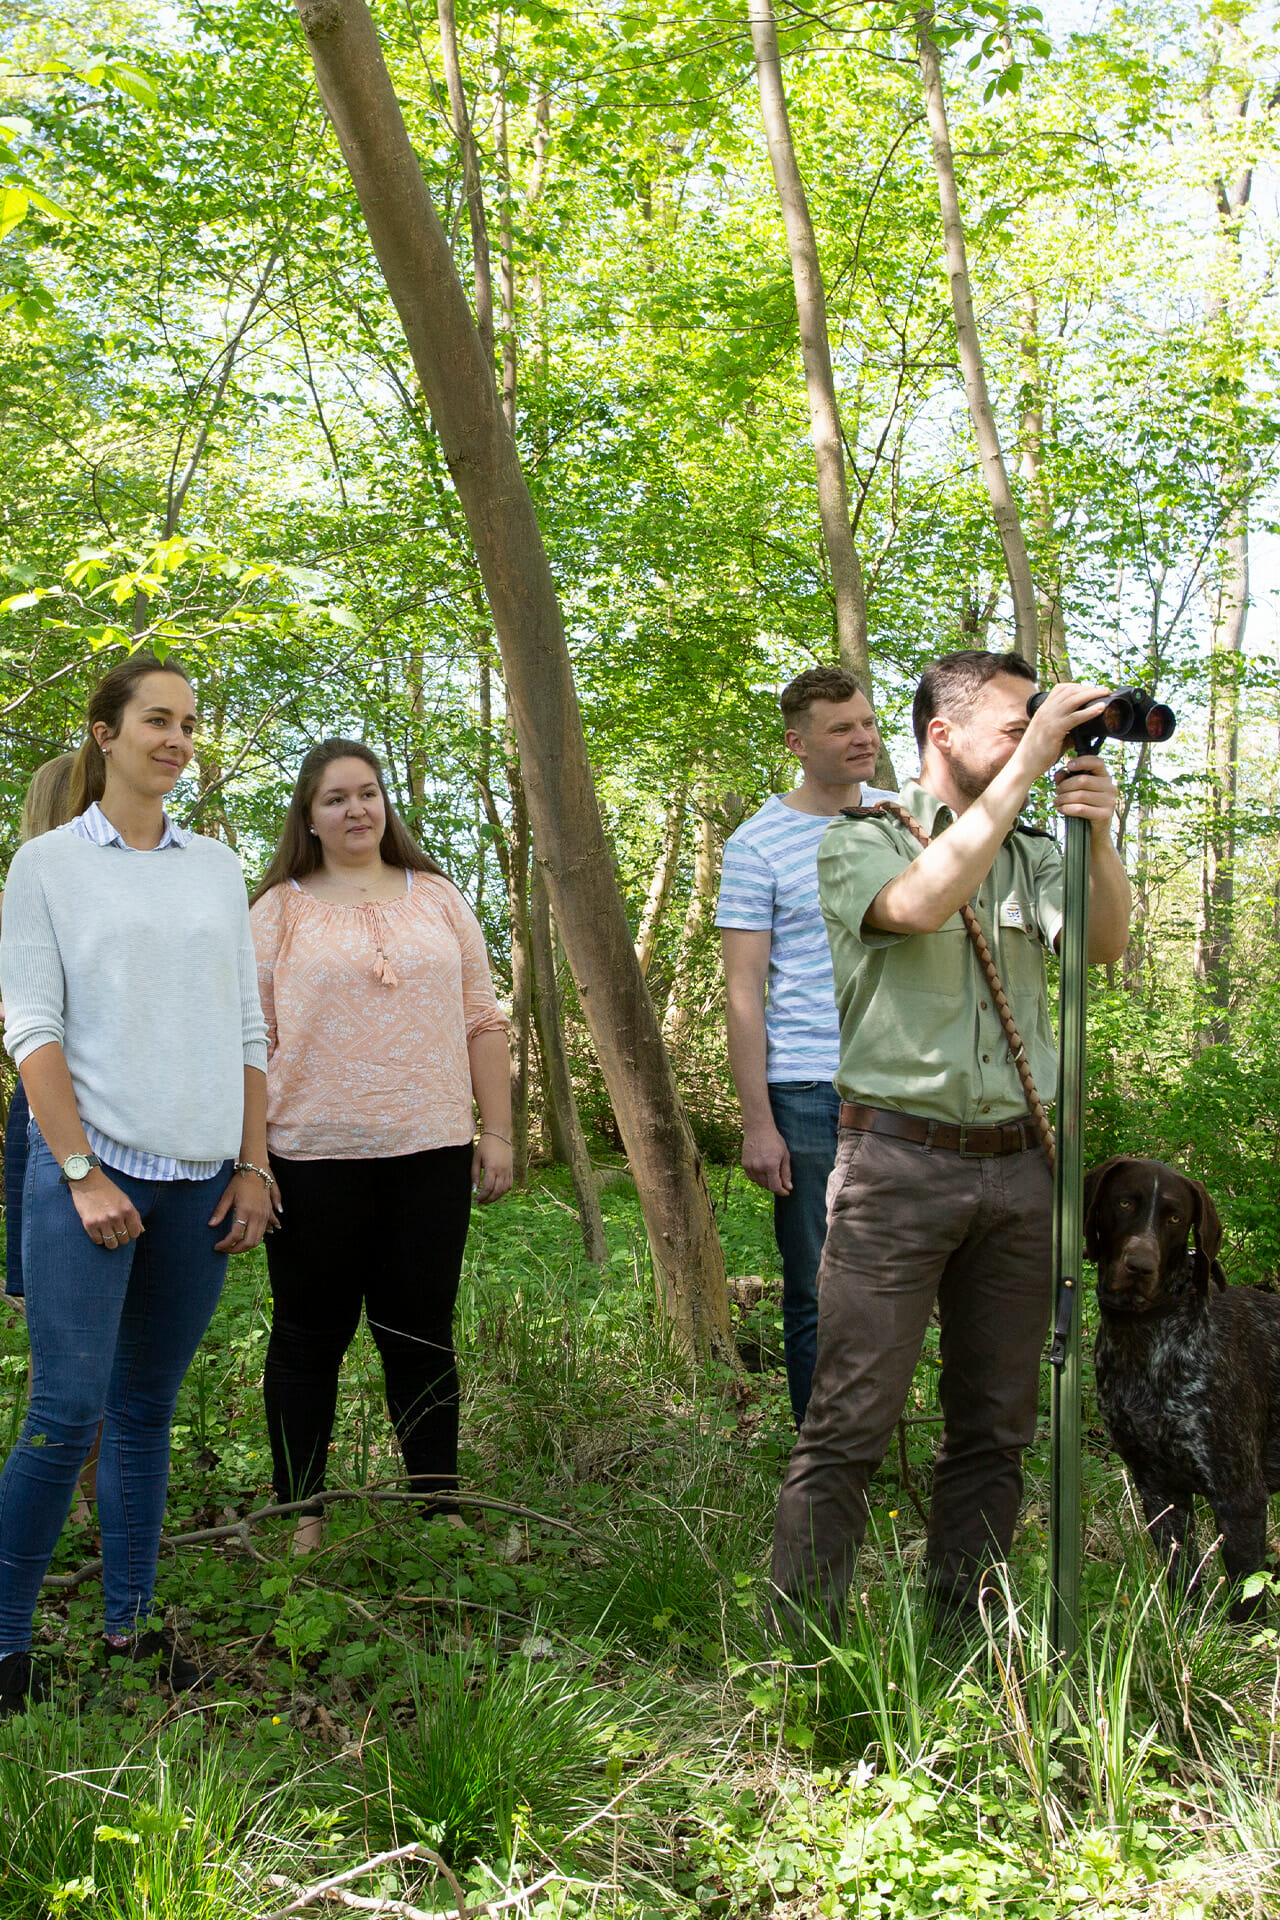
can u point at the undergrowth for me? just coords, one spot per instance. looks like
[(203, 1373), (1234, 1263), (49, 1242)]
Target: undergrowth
[(573, 1704)]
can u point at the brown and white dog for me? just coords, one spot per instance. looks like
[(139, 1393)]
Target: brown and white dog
[(1188, 1369)]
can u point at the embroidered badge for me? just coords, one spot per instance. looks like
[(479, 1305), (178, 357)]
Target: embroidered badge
[(1013, 913)]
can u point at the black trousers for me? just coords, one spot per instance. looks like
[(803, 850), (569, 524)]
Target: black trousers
[(386, 1236)]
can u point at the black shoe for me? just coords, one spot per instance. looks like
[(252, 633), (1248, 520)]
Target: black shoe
[(21, 1686), (156, 1648)]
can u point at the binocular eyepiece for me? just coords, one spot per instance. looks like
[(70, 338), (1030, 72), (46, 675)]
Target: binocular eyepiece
[(1130, 714)]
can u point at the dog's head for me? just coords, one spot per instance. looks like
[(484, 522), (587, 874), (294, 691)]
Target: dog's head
[(1139, 1219)]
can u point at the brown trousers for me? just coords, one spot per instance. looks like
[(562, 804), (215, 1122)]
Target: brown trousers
[(907, 1226)]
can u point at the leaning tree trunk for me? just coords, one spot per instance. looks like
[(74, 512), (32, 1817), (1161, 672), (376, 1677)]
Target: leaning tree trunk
[(1004, 508), (815, 349), (413, 252)]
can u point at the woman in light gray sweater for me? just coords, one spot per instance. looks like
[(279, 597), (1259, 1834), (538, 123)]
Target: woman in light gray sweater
[(131, 1008)]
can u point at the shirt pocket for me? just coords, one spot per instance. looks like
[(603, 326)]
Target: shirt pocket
[(1020, 961), (1015, 916), (935, 963)]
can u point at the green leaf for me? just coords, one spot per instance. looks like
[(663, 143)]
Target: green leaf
[(14, 202), (132, 81)]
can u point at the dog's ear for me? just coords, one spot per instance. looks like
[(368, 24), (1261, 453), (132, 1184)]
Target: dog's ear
[(1207, 1228), (1092, 1188)]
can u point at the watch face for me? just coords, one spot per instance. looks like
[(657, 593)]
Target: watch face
[(77, 1166)]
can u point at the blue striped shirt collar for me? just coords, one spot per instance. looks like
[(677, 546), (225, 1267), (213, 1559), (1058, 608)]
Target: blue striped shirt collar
[(94, 825)]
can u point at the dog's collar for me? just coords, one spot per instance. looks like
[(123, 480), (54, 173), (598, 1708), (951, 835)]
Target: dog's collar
[(1161, 1312)]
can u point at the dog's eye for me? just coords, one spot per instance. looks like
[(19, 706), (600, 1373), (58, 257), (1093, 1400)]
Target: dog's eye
[(1175, 1219), (1126, 1206)]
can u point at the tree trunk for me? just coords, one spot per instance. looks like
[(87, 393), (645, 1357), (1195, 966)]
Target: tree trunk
[(521, 968), (565, 1123), (1004, 507), (664, 874), (702, 900), (1217, 867), (465, 136), (815, 349), (179, 483), (1050, 624), (457, 378), (1231, 602), (416, 758), (506, 251)]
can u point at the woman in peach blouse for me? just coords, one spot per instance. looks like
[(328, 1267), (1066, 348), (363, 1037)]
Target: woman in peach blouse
[(384, 1036)]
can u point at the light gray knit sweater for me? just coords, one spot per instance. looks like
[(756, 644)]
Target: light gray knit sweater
[(141, 967)]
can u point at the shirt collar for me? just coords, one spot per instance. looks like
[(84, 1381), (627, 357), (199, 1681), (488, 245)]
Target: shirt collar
[(925, 807), (933, 814), (94, 825)]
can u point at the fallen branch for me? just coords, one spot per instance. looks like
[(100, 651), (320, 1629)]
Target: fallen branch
[(323, 1889), (239, 1529), (335, 1889)]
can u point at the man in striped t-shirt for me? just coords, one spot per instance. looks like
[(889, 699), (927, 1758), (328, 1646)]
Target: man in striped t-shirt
[(784, 1031)]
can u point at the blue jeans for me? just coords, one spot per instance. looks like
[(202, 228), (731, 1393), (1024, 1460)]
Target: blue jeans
[(807, 1115), (112, 1335), (15, 1175)]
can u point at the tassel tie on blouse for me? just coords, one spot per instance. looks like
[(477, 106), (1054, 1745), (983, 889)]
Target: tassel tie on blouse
[(383, 971)]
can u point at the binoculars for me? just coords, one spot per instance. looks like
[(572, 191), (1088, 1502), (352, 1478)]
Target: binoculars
[(1130, 714)]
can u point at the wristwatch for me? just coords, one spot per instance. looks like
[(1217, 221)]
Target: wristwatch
[(78, 1166)]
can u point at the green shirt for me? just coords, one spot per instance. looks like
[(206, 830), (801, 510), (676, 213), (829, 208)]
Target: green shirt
[(918, 1030)]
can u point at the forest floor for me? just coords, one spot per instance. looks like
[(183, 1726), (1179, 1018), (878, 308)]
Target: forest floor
[(580, 1713)]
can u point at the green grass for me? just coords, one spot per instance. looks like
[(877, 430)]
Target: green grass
[(600, 1713)]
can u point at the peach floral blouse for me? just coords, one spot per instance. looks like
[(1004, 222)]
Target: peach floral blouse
[(369, 1010)]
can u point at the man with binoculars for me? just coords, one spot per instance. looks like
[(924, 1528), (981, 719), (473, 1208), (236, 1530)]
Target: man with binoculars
[(941, 1193)]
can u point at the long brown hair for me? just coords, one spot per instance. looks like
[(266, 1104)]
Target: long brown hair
[(107, 703), (298, 851), (48, 798)]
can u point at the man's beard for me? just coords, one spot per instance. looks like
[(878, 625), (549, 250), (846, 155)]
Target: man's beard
[(970, 779)]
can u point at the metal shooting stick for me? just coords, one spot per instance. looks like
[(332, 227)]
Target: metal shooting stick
[(1130, 714), (1065, 1519)]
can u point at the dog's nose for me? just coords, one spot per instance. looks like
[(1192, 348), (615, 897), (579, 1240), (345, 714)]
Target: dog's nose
[(1139, 1262)]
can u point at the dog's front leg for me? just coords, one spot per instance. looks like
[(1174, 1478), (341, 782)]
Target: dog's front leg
[(1173, 1535), (1242, 1522)]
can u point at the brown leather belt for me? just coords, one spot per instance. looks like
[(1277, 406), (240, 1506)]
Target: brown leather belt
[(1014, 1136)]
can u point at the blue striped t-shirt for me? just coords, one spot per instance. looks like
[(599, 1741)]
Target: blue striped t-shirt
[(769, 882)]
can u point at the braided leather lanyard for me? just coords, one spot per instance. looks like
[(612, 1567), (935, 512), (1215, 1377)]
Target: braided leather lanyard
[(1035, 1106)]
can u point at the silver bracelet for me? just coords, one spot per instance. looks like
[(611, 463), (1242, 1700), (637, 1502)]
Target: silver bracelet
[(494, 1136), (247, 1166)]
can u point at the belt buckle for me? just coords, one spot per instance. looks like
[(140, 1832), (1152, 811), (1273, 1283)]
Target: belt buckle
[(978, 1153)]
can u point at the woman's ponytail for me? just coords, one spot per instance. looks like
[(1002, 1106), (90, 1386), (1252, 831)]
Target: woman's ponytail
[(88, 776)]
